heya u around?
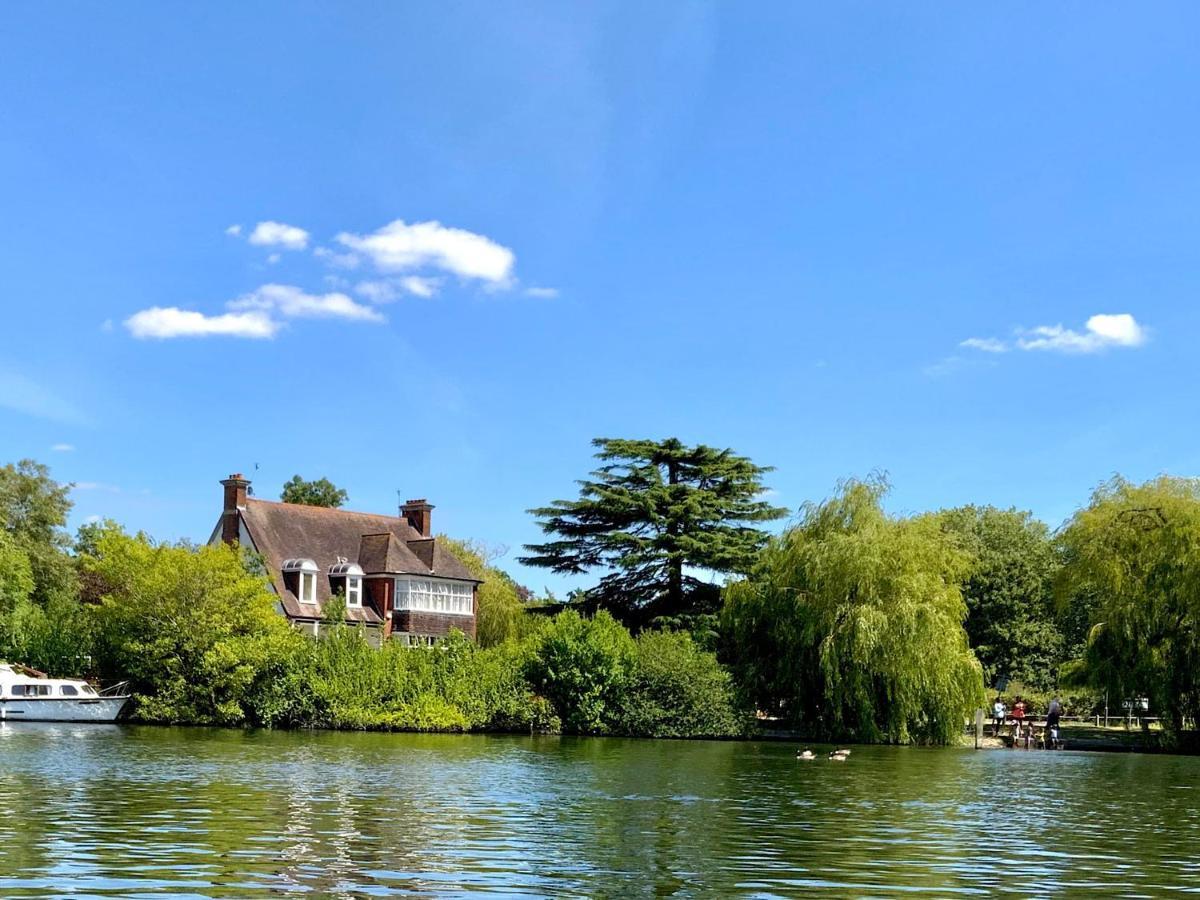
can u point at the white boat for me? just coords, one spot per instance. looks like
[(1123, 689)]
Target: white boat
[(27, 695)]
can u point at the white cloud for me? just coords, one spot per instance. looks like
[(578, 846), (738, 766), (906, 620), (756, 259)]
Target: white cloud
[(400, 247), (987, 345), (277, 234), (1100, 333), (234, 230), (274, 258), (291, 302), (63, 448), (420, 285), (548, 293), (161, 322)]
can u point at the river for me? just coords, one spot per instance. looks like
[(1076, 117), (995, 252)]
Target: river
[(130, 811)]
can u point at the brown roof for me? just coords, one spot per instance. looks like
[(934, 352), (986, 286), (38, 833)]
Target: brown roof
[(379, 544)]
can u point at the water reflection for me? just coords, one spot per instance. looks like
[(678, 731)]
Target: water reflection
[(118, 810)]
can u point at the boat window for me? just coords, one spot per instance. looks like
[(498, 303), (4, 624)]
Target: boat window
[(86, 688), (68, 690), (31, 690)]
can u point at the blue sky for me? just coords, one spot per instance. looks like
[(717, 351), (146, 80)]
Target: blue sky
[(474, 236)]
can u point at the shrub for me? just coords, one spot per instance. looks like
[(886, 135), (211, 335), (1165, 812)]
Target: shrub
[(677, 689), (581, 666)]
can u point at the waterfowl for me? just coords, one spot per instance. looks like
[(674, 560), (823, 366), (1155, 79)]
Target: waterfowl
[(807, 754), (839, 755)]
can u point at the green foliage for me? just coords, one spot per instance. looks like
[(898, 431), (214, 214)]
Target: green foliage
[(1011, 619), (1134, 554), (581, 666), (650, 512), (341, 681), (676, 689), (188, 626), (499, 608), (321, 492), (851, 624), (33, 513)]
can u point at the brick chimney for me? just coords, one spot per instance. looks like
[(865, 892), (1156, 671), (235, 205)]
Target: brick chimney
[(235, 498), (419, 514)]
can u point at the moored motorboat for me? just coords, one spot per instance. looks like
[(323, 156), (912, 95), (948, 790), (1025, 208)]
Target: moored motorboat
[(30, 696)]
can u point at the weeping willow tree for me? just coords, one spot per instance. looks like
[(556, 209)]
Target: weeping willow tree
[(1134, 553), (851, 625)]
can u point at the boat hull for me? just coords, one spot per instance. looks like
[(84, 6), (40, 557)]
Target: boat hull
[(66, 709)]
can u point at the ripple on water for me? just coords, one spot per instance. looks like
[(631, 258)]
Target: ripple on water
[(129, 811)]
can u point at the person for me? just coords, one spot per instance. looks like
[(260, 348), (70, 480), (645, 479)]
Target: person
[(999, 713), (1018, 717), (1053, 714)]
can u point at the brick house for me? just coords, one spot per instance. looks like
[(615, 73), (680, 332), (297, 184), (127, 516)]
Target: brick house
[(397, 579)]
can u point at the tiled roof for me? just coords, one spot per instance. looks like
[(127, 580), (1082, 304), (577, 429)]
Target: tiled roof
[(380, 544)]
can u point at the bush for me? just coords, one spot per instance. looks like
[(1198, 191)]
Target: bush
[(189, 627), (581, 666), (677, 689)]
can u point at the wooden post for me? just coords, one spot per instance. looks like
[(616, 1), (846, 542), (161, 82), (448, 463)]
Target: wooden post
[(978, 727)]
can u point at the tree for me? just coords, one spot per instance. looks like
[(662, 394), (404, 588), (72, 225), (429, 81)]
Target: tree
[(1133, 556), (653, 511), (851, 624), (33, 512), (192, 629), (321, 492), (499, 606), (1011, 619)]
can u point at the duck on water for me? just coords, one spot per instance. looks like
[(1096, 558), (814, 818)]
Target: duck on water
[(836, 755), (27, 695)]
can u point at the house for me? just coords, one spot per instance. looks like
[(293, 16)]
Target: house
[(397, 580)]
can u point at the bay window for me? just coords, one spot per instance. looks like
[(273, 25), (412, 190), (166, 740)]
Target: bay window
[(435, 595)]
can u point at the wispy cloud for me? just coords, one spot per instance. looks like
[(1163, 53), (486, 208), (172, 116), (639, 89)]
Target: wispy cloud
[(278, 234), (951, 365), (259, 314), (293, 303), (99, 486), (987, 345), (401, 247), (163, 322), (63, 448), (390, 289), (22, 394), (234, 230), (1101, 332), (547, 293)]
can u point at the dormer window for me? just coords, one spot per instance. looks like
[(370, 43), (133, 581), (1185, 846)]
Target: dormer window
[(353, 574), (305, 571)]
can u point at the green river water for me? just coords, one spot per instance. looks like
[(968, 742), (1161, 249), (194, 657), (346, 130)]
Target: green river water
[(102, 811)]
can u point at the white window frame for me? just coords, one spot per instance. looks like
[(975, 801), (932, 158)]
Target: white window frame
[(354, 590), (308, 588), (435, 595)]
